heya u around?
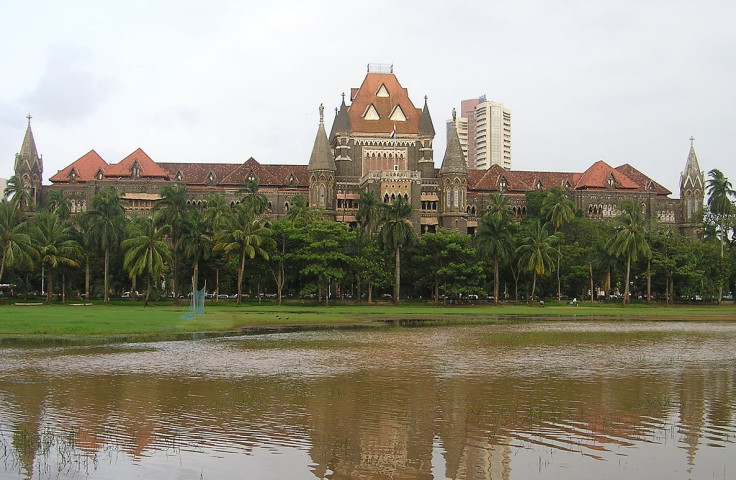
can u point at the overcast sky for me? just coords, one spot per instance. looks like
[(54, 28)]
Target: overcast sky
[(222, 81)]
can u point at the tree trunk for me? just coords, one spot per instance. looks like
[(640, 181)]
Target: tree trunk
[(63, 288), (2, 266), (559, 288), (495, 279), (592, 284), (148, 290), (217, 284), (370, 293), (50, 288), (327, 294), (628, 272), (397, 276), (133, 288), (280, 281), (195, 280), (534, 285), (86, 281), (649, 281), (240, 276), (105, 296)]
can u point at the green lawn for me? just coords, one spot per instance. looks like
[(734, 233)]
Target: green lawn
[(128, 321)]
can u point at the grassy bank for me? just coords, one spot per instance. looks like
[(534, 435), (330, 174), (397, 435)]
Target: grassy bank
[(128, 321)]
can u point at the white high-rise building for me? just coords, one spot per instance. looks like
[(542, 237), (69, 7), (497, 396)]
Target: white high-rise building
[(488, 139)]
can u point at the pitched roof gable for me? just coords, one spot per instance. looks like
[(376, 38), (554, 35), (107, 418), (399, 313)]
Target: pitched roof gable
[(86, 167), (596, 178), (365, 96), (149, 168), (642, 180)]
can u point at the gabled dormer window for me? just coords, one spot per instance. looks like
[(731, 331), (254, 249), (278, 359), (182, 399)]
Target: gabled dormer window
[(177, 177), (502, 184), (73, 176), (371, 113), (397, 114), (611, 181), (650, 187), (568, 186), (538, 186), (251, 177), (292, 180), (100, 174), (382, 91), (211, 177), (135, 170)]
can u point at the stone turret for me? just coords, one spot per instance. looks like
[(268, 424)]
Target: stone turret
[(29, 166), (322, 170), (692, 192), (340, 140), (426, 135), (454, 183)]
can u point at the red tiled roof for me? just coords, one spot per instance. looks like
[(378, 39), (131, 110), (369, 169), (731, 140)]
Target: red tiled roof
[(366, 95), (235, 174), (596, 177), (149, 168), (518, 180), (642, 180), (85, 167)]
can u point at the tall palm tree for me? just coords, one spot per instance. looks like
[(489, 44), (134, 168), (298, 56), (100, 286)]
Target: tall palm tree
[(495, 241), (243, 236), (52, 237), (255, 201), (107, 226), (498, 205), (16, 246), (369, 213), (59, 204), (559, 210), (396, 233), (19, 192), (630, 239), (298, 209), (719, 191), (146, 252), (215, 208), (83, 222), (537, 252), (196, 241), (171, 210)]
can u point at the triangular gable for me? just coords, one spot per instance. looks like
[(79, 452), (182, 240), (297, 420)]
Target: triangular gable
[(371, 113), (382, 91), (397, 115)]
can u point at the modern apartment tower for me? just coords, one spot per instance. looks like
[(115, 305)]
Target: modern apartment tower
[(488, 138)]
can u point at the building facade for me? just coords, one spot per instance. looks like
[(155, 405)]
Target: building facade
[(484, 128), (379, 142)]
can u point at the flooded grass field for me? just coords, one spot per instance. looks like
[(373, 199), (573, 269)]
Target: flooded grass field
[(573, 400)]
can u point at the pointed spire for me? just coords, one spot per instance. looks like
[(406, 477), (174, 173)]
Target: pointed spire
[(28, 158), (692, 176), (425, 122), (321, 158), (342, 120), (454, 160)]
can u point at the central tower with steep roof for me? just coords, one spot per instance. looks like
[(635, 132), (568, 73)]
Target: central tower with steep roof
[(29, 167), (381, 143)]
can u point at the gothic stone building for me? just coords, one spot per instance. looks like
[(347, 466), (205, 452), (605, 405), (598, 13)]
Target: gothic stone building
[(381, 142)]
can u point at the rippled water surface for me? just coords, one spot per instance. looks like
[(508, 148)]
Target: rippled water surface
[(573, 400)]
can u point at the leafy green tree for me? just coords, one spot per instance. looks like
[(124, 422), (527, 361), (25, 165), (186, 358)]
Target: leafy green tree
[(197, 241), (396, 232), (107, 226), (559, 210), (83, 223), (537, 252), (240, 235), (369, 264), (324, 255), (253, 200), (298, 209), (720, 192), (16, 245), (59, 204), (52, 238), (629, 239), (494, 240), (172, 209), (146, 252), (369, 213), (19, 193), (289, 239)]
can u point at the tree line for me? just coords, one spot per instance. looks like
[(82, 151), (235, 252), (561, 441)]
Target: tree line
[(552, 252)]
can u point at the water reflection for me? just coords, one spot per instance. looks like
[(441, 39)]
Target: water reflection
[(542, 400)]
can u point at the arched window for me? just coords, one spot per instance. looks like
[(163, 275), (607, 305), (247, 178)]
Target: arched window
[(457, 197), (321, 194)]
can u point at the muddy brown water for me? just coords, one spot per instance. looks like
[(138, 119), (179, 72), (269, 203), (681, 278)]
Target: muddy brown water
[(573, 400)]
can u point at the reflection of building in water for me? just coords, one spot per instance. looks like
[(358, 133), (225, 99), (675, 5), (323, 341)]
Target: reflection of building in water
[(485, 460)]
